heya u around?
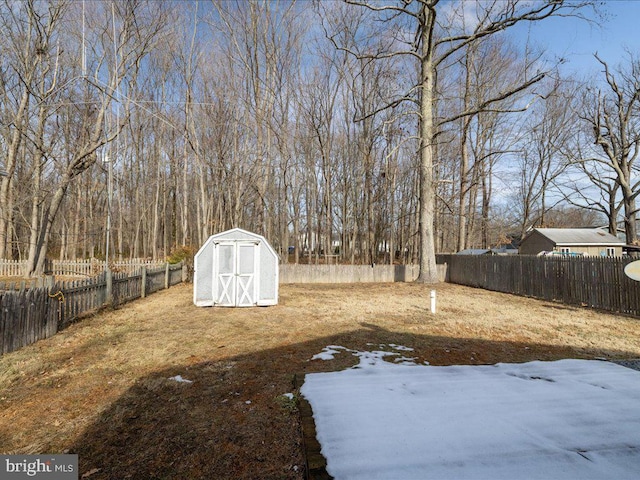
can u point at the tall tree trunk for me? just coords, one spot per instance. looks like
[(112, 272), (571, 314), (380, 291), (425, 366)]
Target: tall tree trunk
[(486, 203), (49, 217), (428, 269), (6, 206), (630, 227), (36, 203)]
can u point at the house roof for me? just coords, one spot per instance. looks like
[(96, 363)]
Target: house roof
[(475, 251), (508, 250), (579, 236)]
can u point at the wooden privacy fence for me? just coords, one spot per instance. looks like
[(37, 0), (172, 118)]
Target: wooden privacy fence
[(33, 314), (302, 273), (90, 267), (24, 283), (597, 282)]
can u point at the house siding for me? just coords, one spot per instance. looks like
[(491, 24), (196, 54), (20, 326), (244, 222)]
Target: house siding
[(536, 243), (591, 251)]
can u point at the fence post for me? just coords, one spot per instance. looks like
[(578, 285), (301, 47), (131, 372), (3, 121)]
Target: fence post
[(143, 287), (166, 275), (109, 278)]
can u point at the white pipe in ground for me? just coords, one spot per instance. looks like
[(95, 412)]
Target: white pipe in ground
[(433, 301)]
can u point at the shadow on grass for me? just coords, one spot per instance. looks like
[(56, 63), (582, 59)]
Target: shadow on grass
[(233, 422)]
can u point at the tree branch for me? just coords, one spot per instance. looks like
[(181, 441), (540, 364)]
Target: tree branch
[(482, 107)]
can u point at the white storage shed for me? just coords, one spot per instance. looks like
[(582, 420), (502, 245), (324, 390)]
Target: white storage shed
[(235, 268)]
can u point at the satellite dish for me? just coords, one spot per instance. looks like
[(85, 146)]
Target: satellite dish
[(632, 270)]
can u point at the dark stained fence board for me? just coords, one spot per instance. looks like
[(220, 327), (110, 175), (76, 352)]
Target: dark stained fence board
[(155, 279), (29, 315), (23, 318), (126, 288), (175, 274), (597, 282)]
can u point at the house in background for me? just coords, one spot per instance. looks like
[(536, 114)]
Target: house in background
[(568, 241)]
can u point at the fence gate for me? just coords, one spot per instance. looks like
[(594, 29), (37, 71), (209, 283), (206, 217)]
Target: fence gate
[(237, 268)]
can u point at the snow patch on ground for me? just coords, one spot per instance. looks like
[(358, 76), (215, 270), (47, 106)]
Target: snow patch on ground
[(179, 379), (328, 353), (369, 358), (569, 419)]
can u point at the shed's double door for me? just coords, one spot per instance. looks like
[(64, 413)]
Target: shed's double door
[(235, 282)]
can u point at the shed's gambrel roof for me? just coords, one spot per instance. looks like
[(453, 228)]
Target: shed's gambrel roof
[(579, 236)]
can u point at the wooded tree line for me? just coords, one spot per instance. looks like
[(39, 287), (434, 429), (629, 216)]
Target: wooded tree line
[(370, 131)]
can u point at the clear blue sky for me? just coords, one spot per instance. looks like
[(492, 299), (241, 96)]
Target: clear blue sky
[(576, 41)]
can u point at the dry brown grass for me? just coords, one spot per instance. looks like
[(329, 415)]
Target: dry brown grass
[(101, 388)]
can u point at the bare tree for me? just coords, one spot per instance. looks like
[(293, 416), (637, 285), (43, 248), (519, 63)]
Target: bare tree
[(490, 66), (597, 190), (436, 40), (239, 115), (135, 25), (32, 67), (611, 114), (548, 135)]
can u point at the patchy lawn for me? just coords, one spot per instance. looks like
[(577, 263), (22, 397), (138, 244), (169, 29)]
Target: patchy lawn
[(103, 388)]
